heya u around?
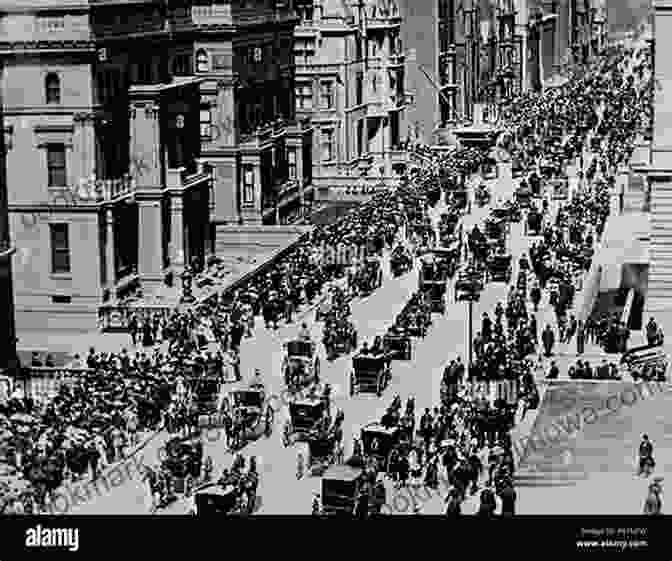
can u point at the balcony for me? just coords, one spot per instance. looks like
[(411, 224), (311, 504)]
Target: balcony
[(219, 14), (376, 108), (181, 179)]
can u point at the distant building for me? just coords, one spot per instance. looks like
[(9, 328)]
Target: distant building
[(349, 60)]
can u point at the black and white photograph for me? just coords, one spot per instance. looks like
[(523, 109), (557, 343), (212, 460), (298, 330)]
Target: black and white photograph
[(334, 259)]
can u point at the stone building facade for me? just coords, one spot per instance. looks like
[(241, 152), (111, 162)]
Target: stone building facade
[(137, 134), (350, 81)]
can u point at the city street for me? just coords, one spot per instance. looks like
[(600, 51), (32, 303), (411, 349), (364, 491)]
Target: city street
[(279, 490)]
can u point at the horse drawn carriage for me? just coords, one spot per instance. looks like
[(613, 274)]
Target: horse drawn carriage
[(345, 490), (489, 168), (401, 261), (469, 283), (524, 195), (448, 224), (560, 189), (496, 230), (180, 467), (336, 302), (235, 493), (438, 265), (325, 446), (300, 365), (457, 197), (251, 416), (369, 276), (340, 338), (378, 441), (306, 414), (215, 498), (499, 268), (397, 343), (534, 222), (482, 194), (370, 373)]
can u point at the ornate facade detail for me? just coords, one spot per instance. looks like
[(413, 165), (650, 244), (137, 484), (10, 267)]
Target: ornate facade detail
[(152, 111), (84, 118)]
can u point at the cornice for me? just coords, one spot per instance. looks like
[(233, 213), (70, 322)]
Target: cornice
[(60, 45)]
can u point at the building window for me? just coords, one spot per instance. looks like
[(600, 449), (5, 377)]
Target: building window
[(360, 137), (359, 55), (328, 145), (202, 64), (145, 72), (56, 165), (49, 24), (60, 249), (206, 122), (52, 87), (291, 163), (182, 64), (304, 96), (327, 95), (359, 88), (248, 184)]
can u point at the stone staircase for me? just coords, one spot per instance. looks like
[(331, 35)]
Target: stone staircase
[(659, 295), (551, 473)]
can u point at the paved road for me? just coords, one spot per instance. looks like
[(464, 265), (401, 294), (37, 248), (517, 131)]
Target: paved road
[(280, 491)]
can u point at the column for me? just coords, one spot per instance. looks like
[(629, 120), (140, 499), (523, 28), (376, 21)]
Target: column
[(226, 191), (145, 146), (177, 259), (150, 250), (250, 186), (110, 261)]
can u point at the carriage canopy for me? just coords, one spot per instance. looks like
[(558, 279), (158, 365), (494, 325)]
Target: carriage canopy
[(299, 348), (215, 499), (248, 398), (307, 409), (364, 363)]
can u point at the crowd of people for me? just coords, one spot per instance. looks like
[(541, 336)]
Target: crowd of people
[(92, 421)]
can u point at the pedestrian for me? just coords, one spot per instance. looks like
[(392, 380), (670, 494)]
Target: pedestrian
[(508, 497), (94, 457), (300, 466), (548, 340)]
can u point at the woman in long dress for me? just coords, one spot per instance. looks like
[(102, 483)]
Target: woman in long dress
[(653, 505)]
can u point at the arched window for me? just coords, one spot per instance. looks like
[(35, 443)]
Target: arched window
[(52, 87), (202, 63)]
